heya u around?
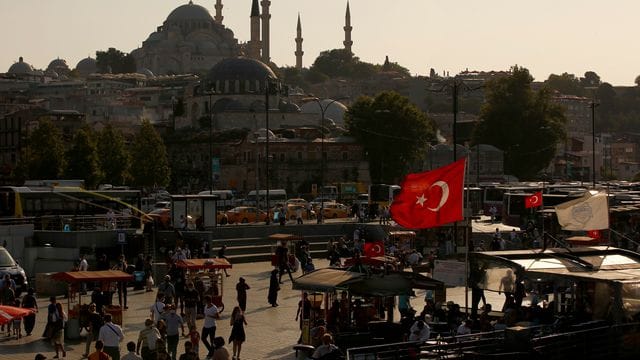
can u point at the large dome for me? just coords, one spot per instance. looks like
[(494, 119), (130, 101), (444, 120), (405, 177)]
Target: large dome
[(189, 11), (240, 68), (20, 68), (87, 66), (334, 110)]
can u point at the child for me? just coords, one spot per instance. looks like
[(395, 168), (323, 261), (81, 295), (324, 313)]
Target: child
[(194, 337), (17, 323)]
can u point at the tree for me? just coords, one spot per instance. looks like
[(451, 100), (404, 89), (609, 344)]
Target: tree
[(525, 124), (115, 61), (43, 157), (150, 163), (82, 159), (342, 63), (393, 132), (566, 84), (590, 79), (114, 156)]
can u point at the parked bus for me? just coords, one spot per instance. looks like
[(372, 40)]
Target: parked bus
[(382, 194), (276, 196), (226, 198), (514, 212)]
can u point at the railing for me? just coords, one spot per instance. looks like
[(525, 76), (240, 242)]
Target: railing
[(75, 222)]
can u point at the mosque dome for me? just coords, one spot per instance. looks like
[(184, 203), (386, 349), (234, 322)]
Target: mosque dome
[(333, 110), (20, 68), (87, 66), (146, 72), (239, 75), (57, 65), (189, 12)]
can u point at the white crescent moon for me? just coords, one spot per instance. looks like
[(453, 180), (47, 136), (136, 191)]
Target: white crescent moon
[(534, 199), (376, 249), (445, 194)]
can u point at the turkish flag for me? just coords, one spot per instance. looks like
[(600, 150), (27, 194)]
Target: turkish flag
[(373, 249), (431, 198), (534, 200)]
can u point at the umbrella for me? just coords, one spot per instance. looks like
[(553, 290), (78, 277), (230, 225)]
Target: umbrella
[(8, 313)]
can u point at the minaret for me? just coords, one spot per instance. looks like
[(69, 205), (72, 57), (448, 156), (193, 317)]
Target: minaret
[(347, 30), (299, 51), (253, 47), (266, 57), (218, 18)]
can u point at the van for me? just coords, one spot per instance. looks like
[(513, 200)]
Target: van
[(9, 266), (276, 196)]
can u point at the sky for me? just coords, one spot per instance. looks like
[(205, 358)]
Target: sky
[(544, 36)]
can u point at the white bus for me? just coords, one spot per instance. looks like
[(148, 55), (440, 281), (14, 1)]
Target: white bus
[(276, 196), (226, 198)]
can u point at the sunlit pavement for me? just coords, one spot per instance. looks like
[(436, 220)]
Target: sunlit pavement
[(271, 332)]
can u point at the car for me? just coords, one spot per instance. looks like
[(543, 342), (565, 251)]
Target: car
[(297, 201), (245, 214), (292, 209), (9, 266), (335, 210)]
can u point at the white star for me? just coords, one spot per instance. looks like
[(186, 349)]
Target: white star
[(420, 200)]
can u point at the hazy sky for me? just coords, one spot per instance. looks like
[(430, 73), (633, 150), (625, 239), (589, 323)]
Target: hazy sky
[(545, 36)]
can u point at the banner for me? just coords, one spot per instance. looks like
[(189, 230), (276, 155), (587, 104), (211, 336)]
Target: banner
[(589, 212)]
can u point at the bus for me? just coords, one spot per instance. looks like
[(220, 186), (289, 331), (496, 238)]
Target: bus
[(514, 212), (226, 198), (276, 196), (382, 194)]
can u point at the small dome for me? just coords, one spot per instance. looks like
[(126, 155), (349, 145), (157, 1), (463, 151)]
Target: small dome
[(188, 12), (333, 109), (87, 66), (20, 68), (240, 69), (58, 64)]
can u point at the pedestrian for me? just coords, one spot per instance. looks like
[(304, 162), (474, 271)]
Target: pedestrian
[(282, 255), (94, 323), (274, 287), (99, 354), (83, 266), (147, 339), (148, 273), (29, 302), (241, 289), (157, 308), (131, 355), (111, 336), (221, 255), (161, 350), (238, 336), (191, 299), (189, 353), (174, 321), (194, 337), (17, 323), (55, 326), (209, 328), (326, 348), (299, 216), (168, 290), (122, 285), (221, 353), (304, 311)]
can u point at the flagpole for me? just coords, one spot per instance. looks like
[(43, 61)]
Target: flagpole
[(544, 239), (466, 236)]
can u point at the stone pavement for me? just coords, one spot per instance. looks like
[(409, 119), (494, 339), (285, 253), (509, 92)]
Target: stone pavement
[(271, 332)]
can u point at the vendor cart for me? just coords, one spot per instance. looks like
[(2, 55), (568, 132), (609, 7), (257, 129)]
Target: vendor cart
[(107, 279), (209, 273), (291, 242)]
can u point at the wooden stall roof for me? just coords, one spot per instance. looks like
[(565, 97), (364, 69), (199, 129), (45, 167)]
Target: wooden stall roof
[(201, 264), (279, 237), (103, 275)]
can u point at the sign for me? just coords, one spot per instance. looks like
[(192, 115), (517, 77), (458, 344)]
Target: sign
[(451, 273), (215, 168), (122, 238)]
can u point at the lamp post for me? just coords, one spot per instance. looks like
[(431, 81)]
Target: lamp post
[(323, 110), (210, 93), (269, 87), (593, 106)]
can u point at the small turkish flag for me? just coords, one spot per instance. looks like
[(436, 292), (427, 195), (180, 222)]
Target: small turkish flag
[(595, 234), (430, 198), (372, 249), (534, 200)]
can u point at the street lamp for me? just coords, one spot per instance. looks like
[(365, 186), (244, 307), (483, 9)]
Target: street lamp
[(270, 87), (210, 93), (593, 106), (323, 110)]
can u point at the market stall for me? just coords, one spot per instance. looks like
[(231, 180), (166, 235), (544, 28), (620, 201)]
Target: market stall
[(207, 273), (291, 242), (107, 279)]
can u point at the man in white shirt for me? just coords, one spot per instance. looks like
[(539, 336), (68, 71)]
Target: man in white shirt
[(111, 335), (209, 327), (83, 266), (419, 331)]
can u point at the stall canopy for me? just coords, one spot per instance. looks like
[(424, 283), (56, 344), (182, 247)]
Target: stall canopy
[(197, 264), (384, 284), (103, 275)]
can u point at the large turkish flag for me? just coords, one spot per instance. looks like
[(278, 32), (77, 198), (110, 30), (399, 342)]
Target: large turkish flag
[(430, 198)]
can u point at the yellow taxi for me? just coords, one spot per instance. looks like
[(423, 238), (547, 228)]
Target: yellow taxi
[(292, 210), (245, 214), (333, 210)]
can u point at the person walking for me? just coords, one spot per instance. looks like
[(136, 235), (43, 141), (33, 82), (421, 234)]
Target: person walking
[(282, 254), (157, 308), (238, 336), (111, 336), (29, 302), (168, 290), (191, 299), (274, 287), (209, 328), (122, 285), (221, 255), (189, 353), (99, 354), (221, 353), (241, 289), (147, 339), (131, 355), (174, 321), (56, 321), (94, 323)]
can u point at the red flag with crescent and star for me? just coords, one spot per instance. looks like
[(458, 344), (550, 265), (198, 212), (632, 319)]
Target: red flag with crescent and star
[(533, 201), (373, 249), (431, 198)]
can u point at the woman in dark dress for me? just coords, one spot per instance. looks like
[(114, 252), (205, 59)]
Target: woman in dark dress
[(274, 286), (29, 302), (238, 335), (241, 289)]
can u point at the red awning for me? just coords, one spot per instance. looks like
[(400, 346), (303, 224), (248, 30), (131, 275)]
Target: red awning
[(103, 275)]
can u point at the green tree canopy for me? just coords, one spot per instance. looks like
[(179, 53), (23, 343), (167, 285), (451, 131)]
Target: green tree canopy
[(150, 162), (342, 63), (115, 61), (393, 132), (114, 156), (566, 84), (44, 155), (525, 124), (82, 159)]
